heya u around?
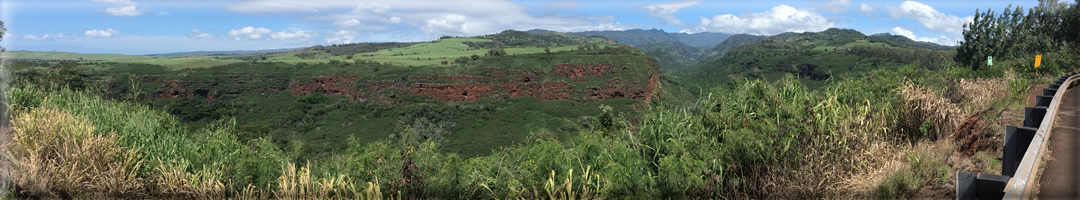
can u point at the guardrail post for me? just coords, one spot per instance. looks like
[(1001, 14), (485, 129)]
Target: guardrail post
[(1043, 101), (1049, 92), (980, 186), (1017, 140), (1033, 116)]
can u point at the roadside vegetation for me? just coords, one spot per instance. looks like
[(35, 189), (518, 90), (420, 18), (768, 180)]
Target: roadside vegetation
[(895, 127)]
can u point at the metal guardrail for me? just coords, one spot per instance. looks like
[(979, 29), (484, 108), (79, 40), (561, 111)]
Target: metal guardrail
[(1022, 155)]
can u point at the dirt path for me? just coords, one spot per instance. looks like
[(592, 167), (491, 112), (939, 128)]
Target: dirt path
[(1061, 178)]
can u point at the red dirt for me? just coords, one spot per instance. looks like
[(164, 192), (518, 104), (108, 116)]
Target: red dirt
[(971, 131), (1034, 91), (173, 90), (576, 71)]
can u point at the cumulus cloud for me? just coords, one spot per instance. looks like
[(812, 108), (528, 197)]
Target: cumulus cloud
[(666, 11), (931, 18), (779, 19), (109, 32), (195, 33), (835, 6), (248, 32), (942, 40), (125, 8), (292, 35), (432, 17), (867, 9), (342, 37)]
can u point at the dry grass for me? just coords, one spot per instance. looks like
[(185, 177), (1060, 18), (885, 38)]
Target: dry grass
[(55, 154), (924, 105), (881, 161), (980, 93), (174, 182), (297, 184)]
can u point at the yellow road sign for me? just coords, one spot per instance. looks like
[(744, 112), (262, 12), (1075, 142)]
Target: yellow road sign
[(1038, 60)]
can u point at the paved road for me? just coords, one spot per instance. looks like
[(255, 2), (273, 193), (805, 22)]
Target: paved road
[(1061, 178)]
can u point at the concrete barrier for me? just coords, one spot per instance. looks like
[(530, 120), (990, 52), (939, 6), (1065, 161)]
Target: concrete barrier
[(1023, 148)]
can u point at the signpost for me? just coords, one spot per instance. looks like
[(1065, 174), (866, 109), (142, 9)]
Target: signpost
[(1038, 60)]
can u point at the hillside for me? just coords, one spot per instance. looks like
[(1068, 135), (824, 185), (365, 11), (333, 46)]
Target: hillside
[(814, 57), (499, 87), (673, 51)]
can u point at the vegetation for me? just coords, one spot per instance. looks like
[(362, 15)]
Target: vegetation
[(833, 114)]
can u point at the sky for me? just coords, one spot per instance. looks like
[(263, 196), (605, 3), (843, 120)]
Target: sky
[(165, 26)]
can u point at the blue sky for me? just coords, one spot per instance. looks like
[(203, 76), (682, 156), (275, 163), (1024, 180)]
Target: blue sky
[(162, 26)]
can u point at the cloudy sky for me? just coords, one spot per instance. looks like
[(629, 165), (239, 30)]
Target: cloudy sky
[(161, 26)]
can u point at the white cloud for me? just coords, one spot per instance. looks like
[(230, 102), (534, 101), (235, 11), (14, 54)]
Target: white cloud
[(248, 32), (44, 36), (342, 37), (942, 40), (109, 32), (931, 18), (903, 32), (125, 8), (835, 6), (779, 19), (666, 11), (867, 9), (292, 35), (432, 18), (195, 33), (347, 23)]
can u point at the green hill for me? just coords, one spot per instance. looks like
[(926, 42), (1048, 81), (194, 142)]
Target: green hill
[(814, 57)]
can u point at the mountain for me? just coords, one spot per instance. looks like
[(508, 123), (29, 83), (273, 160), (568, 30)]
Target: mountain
[(639, 37), (815, 57), (672, 50), (732, 42)]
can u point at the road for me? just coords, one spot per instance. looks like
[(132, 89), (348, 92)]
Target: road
[(1061, 178)]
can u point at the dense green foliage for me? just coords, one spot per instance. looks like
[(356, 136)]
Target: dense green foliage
[(814, 57), (1049, 28)]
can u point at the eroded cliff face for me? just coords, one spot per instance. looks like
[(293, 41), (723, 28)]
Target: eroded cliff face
[(577, 82)]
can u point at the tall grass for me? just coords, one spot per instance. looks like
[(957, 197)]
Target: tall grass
[(55, 154)]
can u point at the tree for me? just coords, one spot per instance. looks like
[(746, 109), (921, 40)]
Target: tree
[(2, 31), (547, 50)]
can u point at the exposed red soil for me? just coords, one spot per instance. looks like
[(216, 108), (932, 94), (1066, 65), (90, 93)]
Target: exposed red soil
[(970, 135), (173, 90), (577, 71), (332, 84)]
